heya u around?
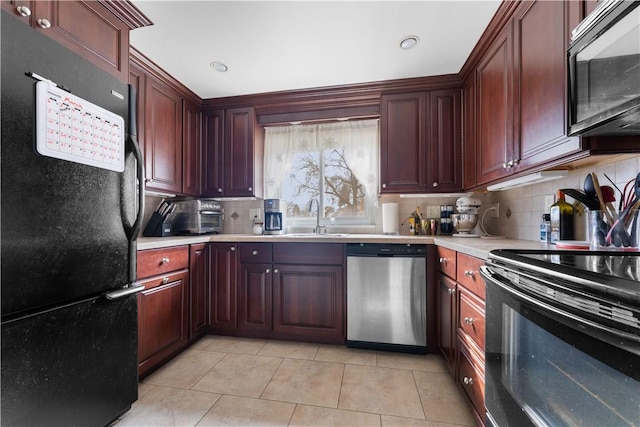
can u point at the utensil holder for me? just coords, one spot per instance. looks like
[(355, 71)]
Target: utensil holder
[(621, 235)]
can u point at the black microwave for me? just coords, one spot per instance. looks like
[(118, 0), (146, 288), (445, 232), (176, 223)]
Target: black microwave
[(604, 71)]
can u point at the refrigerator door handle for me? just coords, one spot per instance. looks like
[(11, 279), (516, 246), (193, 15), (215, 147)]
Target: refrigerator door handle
[(121, 293), (133, 232)]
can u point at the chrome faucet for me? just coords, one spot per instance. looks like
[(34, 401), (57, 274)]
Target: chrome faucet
[(319, 228)]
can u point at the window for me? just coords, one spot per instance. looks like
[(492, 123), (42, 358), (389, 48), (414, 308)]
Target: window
[(335, 163)]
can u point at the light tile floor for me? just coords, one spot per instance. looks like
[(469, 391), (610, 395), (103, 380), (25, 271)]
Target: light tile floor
[(225, 381)]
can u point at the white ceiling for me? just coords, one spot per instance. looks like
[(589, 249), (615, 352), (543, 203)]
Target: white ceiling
[(283, 45)]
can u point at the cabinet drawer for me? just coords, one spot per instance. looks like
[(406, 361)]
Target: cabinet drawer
[(471, 316), (308, 253), (471, 377), (154, 262), (255, 253), (468, 274), (446, 261)]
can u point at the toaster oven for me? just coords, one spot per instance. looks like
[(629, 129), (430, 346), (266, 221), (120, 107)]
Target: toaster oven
[(198, 216)]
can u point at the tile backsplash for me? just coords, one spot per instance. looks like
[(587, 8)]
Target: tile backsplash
[(520, 209)]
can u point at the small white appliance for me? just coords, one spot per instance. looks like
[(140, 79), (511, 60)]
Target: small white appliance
[(467, 217)]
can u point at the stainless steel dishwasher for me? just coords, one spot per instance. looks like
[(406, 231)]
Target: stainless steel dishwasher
[(387, 297)]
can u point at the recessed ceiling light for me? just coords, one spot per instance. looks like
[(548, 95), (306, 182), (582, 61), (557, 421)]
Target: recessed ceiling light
[(219, 66), (409, 41)]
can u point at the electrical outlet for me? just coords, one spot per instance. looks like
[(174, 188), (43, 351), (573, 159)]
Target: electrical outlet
[(548, 201), (495, 213), (433, 211), (254, 213)]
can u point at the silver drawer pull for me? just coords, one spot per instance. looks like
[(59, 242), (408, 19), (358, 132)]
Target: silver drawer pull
[(468, 320), (268, 271), (44, 23), (469, 273), (165, 280), (451, 291), (275, 270), (233, 248), (468, 380), (443, 260), (164, 261), (254, 253), (23, 10)]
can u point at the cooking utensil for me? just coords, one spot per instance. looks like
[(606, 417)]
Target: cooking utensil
[(618, 234), (592, 188), (609, 196)]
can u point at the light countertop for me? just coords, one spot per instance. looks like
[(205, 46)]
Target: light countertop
[(477, 247)]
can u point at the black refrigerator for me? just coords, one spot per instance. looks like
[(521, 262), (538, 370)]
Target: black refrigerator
[(71, 201)]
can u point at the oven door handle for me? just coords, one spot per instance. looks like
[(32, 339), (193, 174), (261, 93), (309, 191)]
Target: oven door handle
[(601, 330)]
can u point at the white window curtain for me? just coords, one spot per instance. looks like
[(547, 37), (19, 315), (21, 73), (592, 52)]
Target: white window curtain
[(358, 138)]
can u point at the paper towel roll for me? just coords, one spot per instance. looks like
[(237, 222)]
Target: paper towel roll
[(390, 218)]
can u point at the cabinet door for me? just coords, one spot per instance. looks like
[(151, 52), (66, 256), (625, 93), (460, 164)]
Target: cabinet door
[(469, 131), (445, 157), (88, 29), (541, 34), (447, 320), (494, 79), (163, 136), (239, 152), (213, 133), (191, 149), (223, 279), (162, 319), (308, 300), (199, 287), (254, 297), (403, 153)]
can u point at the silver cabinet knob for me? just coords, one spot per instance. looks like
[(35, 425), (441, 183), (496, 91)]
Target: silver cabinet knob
[(384, 185), (451, 291), (435, 184), (267, 271), (233, 248), (504, 165), (254, 253), (275, 270), (250, 189), (165, 280), (468, 380), (468, 273), (23, 10), (443, 260), (148, 180), (44, 23), (164, 261), (219, 190), (468, 320)]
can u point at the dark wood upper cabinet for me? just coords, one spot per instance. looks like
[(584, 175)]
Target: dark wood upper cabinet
[(163, 136), (242, 154), (97, 31), (541, 38), (191, 148), (469, 131), (213, 134), (445, 159), (403, 151), (494, 79)]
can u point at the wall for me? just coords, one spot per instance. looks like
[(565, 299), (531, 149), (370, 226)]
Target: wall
[(526, 203)]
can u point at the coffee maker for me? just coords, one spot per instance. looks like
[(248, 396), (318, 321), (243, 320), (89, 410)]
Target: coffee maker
[(273, 217)]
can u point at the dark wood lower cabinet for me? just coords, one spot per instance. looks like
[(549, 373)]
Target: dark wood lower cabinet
[(162, 319), (447, 320), (254, 297), (199, 290), (308, 300), (222, 283)]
